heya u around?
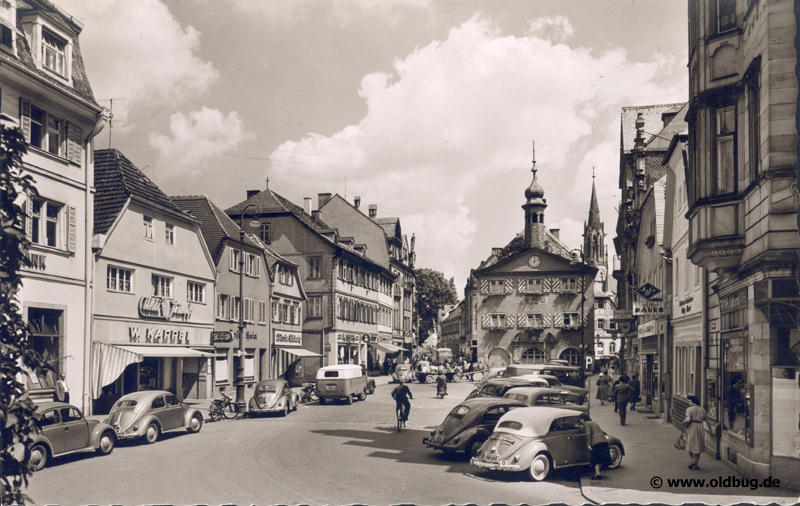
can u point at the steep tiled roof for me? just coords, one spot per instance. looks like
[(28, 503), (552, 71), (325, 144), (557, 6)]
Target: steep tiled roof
[(214, 223), (80, 83), (389, 225), (661, 140), (116, 179), (652, 121)]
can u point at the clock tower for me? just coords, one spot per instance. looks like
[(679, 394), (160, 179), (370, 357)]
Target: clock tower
[(534, 207)]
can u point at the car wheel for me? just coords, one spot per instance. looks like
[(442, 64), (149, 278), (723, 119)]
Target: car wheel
[(363, 395), (285, 411), (475, 446), (196, 423), (107, 440), (615, 451), (540, 467), (456, 378), (152, 433), (39, 455), (349, 399), (429, 378)]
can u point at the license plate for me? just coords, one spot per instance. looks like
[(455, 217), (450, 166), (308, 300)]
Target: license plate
[(491, 458)]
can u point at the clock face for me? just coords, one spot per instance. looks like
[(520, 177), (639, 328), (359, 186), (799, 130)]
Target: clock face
[(534, 261)]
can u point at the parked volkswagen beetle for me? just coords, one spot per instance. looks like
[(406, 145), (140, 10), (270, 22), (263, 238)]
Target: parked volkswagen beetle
[(273, 396), (538, 440), (150, 413), (543, 396), (64, 430), (497, 387), (468, 425)]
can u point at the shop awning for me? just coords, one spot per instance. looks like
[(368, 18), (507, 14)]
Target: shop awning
[(109, 361), (165, 351), (299, 352), (389, 347)]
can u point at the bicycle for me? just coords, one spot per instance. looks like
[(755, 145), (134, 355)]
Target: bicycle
[(309, 393), (401, 417), (223, 408)]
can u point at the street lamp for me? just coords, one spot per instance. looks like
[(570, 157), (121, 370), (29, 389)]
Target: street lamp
[(583, 303), (240, 354)]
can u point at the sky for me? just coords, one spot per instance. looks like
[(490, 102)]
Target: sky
[(426, 108)]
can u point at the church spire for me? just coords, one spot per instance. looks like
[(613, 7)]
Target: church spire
[(593, 236), (594, 209)]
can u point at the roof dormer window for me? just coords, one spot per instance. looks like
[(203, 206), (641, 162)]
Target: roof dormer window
[(54, 52)]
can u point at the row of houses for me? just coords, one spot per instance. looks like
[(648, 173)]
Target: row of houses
[(707, 237), (130, 289)]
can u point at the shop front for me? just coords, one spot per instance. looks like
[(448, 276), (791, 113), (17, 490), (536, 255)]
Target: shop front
[(290, 360), (351, 348), (382, 351), (226, 349), (130, 356), (647, 338)]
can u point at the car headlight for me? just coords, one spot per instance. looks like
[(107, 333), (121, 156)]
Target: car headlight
[(135, 428), (456, 440), (515, 459)]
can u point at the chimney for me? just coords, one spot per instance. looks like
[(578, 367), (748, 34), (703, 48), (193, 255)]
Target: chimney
[(373, 211), (252, 193), (322, 199), (357, 202), (315, 214), (307, 205), (556, 232)]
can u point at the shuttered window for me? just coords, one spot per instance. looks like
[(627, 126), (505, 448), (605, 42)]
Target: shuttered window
[(49, 132)]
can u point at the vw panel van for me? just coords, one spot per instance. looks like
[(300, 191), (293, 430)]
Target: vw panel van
[(343, 381)]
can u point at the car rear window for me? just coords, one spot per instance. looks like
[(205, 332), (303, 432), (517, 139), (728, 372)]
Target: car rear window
[(517, 397), (126, 404), (269, 389), (331, 374), (510, 424), (460, 411)]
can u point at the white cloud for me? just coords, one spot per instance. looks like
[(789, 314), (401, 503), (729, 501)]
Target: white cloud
[(343, 11), (555, 28), (139, 52), (448, 134), (195, 137)]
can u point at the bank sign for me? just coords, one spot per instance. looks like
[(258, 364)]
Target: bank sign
[(286, 338)]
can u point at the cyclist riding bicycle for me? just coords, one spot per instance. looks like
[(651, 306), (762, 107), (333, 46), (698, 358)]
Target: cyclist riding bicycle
[(441, 383), (401, 394)]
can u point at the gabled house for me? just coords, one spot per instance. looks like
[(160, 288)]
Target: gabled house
[(154, 298), (46, 93), (348, 293)]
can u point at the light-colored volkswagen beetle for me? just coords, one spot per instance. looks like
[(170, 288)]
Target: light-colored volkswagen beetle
[(150, 413), (538, 440)]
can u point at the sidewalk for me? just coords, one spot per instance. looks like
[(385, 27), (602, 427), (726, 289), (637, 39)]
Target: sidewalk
[(650, 453)]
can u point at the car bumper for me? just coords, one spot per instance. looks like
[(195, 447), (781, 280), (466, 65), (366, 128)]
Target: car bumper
[(121, 436), (266, 410), (495, 466), (441, 445)]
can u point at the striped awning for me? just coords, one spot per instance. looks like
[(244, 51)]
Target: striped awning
[(109, 361), (388, 347)]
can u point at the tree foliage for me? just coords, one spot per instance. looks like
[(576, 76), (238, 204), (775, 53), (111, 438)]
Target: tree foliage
[(433, 293), (17, 419)]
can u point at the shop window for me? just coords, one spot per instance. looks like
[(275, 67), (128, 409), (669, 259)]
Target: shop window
[(221, 369), (249, 367), (572, 356), (196, 292), (149, 374), (734, 388), (119, 279), (162, 286), (47, 335)]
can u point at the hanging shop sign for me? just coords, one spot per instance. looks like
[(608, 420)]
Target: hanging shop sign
[(224, 336), (150, 335), (648, 291), (167, 309), (287, 338)]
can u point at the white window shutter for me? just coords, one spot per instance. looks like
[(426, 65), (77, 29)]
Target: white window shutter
[(484, 286), (486, 320), (509, 285), (74, 150), (28, 220), (72, 236), (25, 119)]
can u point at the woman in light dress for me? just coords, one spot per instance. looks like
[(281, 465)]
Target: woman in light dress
[(695, 433)]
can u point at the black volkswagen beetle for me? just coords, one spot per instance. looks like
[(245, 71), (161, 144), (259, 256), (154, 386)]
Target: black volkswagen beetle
[(469, 424)]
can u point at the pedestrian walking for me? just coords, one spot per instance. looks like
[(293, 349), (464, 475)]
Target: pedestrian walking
[(611, 394), (596, 442), (603, 388), (61, 388), (622, 395), (695, 433), (637, 390)]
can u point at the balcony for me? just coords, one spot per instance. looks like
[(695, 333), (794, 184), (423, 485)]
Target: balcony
[(716, 235)]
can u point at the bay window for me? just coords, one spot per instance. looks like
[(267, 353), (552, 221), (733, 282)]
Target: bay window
[(725, 150)]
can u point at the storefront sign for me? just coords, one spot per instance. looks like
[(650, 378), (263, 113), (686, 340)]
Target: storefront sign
[(285, 338), (348, 338), (168, 309), (250, 335), (649, 307), (222, 337), (37, 262), (158, 335), (647, 329)]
